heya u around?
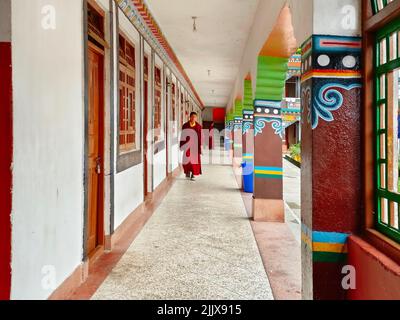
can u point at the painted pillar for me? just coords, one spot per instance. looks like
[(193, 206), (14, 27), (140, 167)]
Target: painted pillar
[(6, 149), (268, 202), (237, 134), (291, 103), (248, 129), (228, 132), (330, 178)]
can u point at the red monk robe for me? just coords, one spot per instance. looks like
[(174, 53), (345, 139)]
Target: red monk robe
[(192, 149)]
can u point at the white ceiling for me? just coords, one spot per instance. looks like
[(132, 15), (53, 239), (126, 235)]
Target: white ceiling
[(223, 27)]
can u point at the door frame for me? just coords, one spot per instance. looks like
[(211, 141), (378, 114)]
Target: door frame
[(6, 150), (87, 45)]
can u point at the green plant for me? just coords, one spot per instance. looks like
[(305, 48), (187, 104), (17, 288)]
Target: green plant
[(295, 150)]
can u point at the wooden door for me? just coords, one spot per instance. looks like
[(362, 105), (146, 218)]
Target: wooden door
[(95, 232), (145, 125)]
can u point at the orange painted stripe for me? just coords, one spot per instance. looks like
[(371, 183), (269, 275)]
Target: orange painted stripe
[(331, 73)]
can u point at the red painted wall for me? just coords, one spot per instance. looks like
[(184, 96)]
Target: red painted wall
[(219, 114), (377, 276), (5, 169)]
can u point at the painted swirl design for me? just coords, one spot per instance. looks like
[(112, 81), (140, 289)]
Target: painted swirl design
[(246, 126), (329, 99), (276, 124)]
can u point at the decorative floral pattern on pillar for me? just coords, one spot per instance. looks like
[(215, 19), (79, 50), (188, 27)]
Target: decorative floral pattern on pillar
[(260, 122), (329, 99), (330, 67)]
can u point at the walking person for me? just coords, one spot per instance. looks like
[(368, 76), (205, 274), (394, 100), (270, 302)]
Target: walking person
[(191, 145)]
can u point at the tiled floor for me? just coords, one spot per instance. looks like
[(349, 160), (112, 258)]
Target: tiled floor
[(292, 195), (279, 243), (199, 244)]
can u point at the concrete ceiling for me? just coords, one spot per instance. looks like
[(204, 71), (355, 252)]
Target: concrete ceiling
[(218, 44)]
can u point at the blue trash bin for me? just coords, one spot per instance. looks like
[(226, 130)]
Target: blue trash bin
[(248, 176), (227, 144)]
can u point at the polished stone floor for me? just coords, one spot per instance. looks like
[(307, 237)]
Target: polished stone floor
[(199, 244), (292, 197)]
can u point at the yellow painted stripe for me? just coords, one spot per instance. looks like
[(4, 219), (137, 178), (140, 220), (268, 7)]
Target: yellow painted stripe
[(306, 239), (277, 173), (329, 247), (331, 75)]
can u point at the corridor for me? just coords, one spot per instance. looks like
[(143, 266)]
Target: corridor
[(197, 245), (108, 104)]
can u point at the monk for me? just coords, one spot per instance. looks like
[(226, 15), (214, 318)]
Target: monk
[(191, 145)]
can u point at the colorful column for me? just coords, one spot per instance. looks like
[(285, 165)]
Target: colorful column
[(268, 202), (228, 132), (248, 129), (237, 134), (330, 187)]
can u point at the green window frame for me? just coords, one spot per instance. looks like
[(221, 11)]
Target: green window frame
[(387, 59), (378, 5)]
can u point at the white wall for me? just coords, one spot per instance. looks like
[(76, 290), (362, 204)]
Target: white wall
[(344, 17), (175, 156), (128, 193), (160, 172), (47, 214)]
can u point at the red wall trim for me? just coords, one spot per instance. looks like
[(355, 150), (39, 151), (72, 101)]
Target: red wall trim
[(377, 276), (5, 168)]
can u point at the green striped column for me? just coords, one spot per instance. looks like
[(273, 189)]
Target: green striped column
[(237, 133), (248, 129), (228, 131)]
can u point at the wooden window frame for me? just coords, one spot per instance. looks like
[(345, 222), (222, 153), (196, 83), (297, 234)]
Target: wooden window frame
[(174, 113), (157, 111), (371, 24), (159, 140), (173, 101), (182, 107), (127, 69), (383, 158), (128, 157)]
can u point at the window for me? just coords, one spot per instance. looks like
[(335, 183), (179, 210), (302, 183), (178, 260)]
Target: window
[(182, 110), (187, 107), (157, 105), (378, 5), (95, 23), (173, 102), (127, 92), (173, 108), (387, 102)]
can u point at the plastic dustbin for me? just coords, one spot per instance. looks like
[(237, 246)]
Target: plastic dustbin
[(248, 176), (227, 145)]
